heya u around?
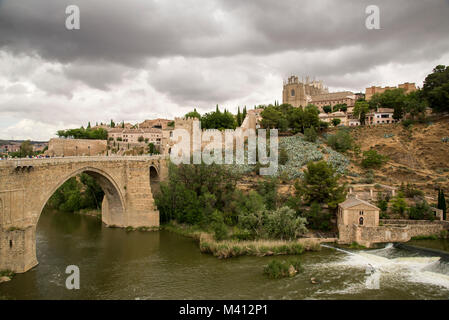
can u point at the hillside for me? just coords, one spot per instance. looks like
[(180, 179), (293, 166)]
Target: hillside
[(417, 155)]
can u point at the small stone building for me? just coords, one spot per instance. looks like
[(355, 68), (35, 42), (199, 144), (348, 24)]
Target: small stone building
[(358, 221)]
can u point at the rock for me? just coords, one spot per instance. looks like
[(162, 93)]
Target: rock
[(313, 281), (291, 271), (5, 279)]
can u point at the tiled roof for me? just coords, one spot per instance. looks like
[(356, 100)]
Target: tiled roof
[(352, 202)]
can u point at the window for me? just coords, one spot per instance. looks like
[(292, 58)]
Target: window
[(361, 213), (361, 221), (293, 92)]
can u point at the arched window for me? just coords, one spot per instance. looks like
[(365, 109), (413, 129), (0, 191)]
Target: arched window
[(293, 92), (361, 221)]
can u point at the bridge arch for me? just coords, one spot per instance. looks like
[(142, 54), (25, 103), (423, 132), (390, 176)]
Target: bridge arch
[(113, 206)]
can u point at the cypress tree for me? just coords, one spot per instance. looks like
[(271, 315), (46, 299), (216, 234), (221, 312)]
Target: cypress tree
[(239, 117), (442, 203)]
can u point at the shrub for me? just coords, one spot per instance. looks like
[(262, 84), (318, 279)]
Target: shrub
[(283, 224), (283, 156), (341, 141), (218, 226), (372, 159), (279, 269), (421, 211), (310, 134)]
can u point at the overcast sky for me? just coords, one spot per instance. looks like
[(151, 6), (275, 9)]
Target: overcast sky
[(140, 59)]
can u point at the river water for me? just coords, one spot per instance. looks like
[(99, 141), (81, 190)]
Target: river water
[(115, 264)]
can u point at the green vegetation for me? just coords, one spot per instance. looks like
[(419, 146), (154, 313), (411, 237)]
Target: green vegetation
[(398, 204), (280, 269), (81, 133), (286, 117), (193, 114), (421, 211), (436, 89), (361, 108), (7, 273), (341, 141), (26, 150), (320, 185), (410, 191), (310, 134), (372, 159), (442, 203), (77, 193), (218, 120), (357, 246)]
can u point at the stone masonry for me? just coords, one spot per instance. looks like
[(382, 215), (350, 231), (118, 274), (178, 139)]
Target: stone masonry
[(27, 184)]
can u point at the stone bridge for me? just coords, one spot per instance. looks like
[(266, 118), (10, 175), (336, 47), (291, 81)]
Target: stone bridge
[(27, 184)]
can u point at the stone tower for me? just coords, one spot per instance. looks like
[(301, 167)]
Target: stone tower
[(299, 93)]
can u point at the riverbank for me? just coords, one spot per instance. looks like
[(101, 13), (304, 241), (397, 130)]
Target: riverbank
[(234, 248)]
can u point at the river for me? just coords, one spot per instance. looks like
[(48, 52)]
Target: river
[(115, 264)]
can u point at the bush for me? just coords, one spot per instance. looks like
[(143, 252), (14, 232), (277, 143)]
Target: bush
[(317, 219), (279, 269), (283, 224), (218, 226), (310, 134), (372, 159), (421, 211), (341, 141), (283, 156)]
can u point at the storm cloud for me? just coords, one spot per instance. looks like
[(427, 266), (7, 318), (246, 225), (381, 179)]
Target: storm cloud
[(139, 59)]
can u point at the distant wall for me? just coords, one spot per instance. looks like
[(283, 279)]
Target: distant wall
[(420, 227), (76, 147)]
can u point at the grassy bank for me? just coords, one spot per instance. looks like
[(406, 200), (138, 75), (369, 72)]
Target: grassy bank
[(234, 248)]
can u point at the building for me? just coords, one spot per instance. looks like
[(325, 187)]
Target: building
[(408, 88), (299, 93), (334, 98), (328, 117), (136, 136), (155, 123)]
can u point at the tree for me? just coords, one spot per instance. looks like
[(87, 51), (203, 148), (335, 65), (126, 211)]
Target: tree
[(436, 89), (193, 114), (320, 184), (421, 211), (415, 105), (283, 224), (26, 149), (341, 141), (392, 99), (141, 139), (442, 203), (151, 148), (372, 159), (336, 122), (327, 109), (398, 204), (239, 117), (271, 117), (218, 120), (112, 124), (361, 108)]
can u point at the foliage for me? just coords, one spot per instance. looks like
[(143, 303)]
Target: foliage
[(81, 133), (421, 211), (393, 99), (283, 224), (77, 193), (436, 89), (398, 204), (283, 156), (336, 122), (372, 159), (320, 184), (317, 219), (218, 120), (327, 109), (410, 191), (285, 116), (193, 114), (442, 203), (193, 192), (361, 108), (279, 269), (310, 134), (218, 226), (341, 141)]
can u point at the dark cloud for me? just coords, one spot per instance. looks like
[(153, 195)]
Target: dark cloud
[(134, 58)]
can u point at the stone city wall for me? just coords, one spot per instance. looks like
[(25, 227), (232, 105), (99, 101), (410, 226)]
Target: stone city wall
[(76, 147)]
